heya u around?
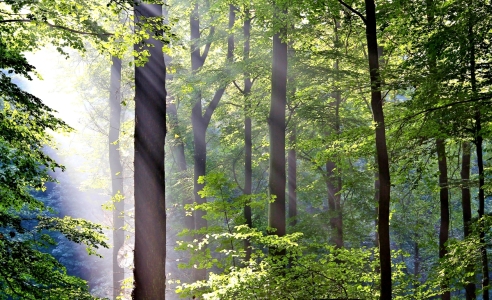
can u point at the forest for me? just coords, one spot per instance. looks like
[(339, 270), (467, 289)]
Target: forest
[(230, 149)]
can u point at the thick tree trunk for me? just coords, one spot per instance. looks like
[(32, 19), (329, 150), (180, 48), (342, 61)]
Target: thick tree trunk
[(382, 153), (444, 201), (248, 144), (150, 132), (116, 170), (470, 288), (277, 180)]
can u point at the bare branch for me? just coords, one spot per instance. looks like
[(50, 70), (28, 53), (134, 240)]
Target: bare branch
[(237, 86), (207, 45), (354, 11)]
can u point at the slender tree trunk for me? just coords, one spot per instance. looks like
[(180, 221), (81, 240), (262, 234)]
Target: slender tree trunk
[(150, 132), (179, 153), (481, 205), (381, 150), (248, 145), (333, 184), (376, 211), (178, 146), (444, 200), (277, 180), (292, 178), (292, 154), (334, 180), (116, 172), (479, 149), (470, 288), (416, 262)]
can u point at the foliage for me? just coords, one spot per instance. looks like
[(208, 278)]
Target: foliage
[(322, 272), (28, 271)]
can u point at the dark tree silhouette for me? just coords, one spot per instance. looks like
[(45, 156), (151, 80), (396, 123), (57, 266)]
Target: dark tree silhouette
[(150, 131), (277, 180)]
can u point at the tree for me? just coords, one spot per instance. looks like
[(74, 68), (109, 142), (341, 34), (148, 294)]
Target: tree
[(200, 121), (150, 132), (382, 153), (116, 171), (276, 121), (24, 220)]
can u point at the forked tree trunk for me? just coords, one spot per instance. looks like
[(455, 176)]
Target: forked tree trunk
[(200, 120), (150, 131), (116, 170)]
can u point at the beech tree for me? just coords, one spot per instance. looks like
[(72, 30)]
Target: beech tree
[(150, 132)]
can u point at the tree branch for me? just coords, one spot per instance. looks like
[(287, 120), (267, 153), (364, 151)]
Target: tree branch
[(237, 86), (55, 26), (354, 11), (212, 106), (207, 45), (449, 105)]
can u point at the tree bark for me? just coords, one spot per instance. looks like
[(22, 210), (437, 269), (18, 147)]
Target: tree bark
[(116, 170), (292, 154), (150, 132), (199, 120), (479, 149), (277, 176), (248, 144), (292, 178), (333, 178), (444, 203), (381, 150), (470, 288)]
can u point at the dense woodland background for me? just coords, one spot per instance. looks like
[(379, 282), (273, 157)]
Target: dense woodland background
[(246, 150)]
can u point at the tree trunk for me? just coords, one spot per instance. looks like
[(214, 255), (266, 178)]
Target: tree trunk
[(116, 170), (481, 205), (444, 201), (376, 210), (199, 120), (150, 132), (381, 150), (277, 180), (334, 180), (479, 149), (333, 184), (292, 178), (292, 154), (470, 288), (248, 145), (416, 262)]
